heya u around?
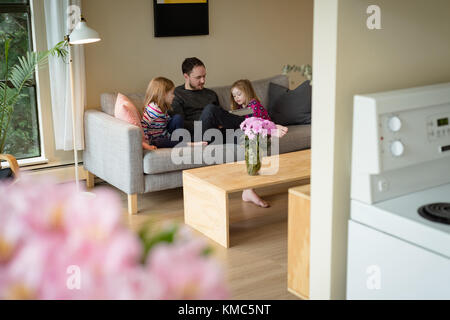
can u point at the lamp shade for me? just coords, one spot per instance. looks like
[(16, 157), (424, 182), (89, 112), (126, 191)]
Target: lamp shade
[(82, 34)]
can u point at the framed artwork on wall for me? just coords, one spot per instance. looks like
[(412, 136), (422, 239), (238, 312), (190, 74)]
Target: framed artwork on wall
[(181, 18)]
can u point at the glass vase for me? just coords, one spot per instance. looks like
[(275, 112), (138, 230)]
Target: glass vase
[(252, 155)]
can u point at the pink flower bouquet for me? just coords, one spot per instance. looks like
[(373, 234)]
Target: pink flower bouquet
[(254, 126), (56, 243), (257, 141)]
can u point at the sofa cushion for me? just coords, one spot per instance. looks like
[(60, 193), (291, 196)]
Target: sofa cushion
[(297, 138), (163, 181), (290, 107), (126, 111), (108, 102), (168, 160), (160, 161), (224, 96), (261, 88)]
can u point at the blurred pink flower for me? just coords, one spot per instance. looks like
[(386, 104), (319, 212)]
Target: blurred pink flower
[(56, 243), (185, 273)]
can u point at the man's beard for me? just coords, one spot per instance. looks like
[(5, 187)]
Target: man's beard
[(194, 87)]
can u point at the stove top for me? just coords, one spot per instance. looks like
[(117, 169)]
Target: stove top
[(437, 212), (400, 218)]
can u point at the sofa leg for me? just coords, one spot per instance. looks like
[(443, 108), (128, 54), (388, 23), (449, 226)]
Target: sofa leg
[(132, 204), (90, 180)]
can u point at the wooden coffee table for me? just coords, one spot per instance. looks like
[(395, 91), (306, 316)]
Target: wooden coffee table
[(207, 190)]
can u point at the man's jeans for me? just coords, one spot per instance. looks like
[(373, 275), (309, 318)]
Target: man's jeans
[(215, 117)]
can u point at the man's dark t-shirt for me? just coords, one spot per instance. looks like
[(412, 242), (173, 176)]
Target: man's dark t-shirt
[(190, 104)]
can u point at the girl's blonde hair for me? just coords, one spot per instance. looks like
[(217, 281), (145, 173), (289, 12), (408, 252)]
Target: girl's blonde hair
[(247, 89), (156, 92)]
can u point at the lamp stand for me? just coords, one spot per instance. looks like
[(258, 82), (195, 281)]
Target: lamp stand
[(82, 34), (74, 139)]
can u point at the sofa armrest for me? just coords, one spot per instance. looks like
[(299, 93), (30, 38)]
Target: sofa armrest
[(113, 151)]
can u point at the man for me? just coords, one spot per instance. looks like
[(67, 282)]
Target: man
[(194, 102)]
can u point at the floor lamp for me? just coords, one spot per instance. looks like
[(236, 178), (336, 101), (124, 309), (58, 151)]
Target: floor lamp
[(82, 34)]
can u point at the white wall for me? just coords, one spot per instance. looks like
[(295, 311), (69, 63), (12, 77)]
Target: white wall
[(322, 142), (412, 49), (248, 39), (251, 38)]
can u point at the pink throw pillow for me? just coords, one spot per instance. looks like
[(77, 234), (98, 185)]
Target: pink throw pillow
[(126, 111)]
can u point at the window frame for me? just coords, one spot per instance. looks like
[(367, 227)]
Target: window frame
[(27, 8), (50, 157)]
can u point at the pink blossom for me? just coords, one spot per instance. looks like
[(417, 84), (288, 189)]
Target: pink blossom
[(48, 231), (137, 284), (37, 207), (12, 230), (250, 134), (185, 274), (254, 126), (31, 273)]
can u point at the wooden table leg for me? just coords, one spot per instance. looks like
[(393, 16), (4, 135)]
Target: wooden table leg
[(132, 204), (206, 210), (299, 241), (90, 180)]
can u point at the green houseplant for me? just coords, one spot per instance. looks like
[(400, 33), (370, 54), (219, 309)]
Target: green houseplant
[(17, 77), (305, 70)]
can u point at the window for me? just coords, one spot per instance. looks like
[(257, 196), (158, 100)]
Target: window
[(23, 140)]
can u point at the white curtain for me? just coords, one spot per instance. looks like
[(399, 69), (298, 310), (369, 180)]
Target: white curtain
[(61, 17)]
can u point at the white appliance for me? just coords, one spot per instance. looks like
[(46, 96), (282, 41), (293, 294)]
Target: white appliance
[(400, 163)]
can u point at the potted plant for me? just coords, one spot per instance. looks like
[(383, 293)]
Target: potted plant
[(304, 69), (16, 79)]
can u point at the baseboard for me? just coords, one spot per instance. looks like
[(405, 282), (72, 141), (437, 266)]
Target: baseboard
[(61, 174)]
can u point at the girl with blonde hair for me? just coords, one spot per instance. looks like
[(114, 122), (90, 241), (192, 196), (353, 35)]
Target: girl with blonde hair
[(158, 125), (244, 96)]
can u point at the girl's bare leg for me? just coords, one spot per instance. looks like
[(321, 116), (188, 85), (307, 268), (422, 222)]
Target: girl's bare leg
[(195, 144), (249, 195)]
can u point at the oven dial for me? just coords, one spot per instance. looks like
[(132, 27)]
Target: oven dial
[(394, 124), (397, 148)]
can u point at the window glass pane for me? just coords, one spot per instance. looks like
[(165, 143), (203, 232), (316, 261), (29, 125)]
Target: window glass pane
[(23, 139), (13, 1), (16, 25), (23, 134)]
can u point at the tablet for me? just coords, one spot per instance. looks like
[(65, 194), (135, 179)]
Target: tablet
[(242, 112)]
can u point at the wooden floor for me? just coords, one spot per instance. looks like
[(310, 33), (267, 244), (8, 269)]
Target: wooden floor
[(256, 263)]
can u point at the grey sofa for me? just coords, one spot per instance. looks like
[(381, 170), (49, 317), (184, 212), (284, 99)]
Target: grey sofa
[(113, 150)]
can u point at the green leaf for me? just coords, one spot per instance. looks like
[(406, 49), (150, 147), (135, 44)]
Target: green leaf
[(207, 251), (304, 69), (21, 75), (149, 238), (11, 97)]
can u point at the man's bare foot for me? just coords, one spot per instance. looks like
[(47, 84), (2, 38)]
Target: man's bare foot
[(249, 195), (281, 131), (197, 144)]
